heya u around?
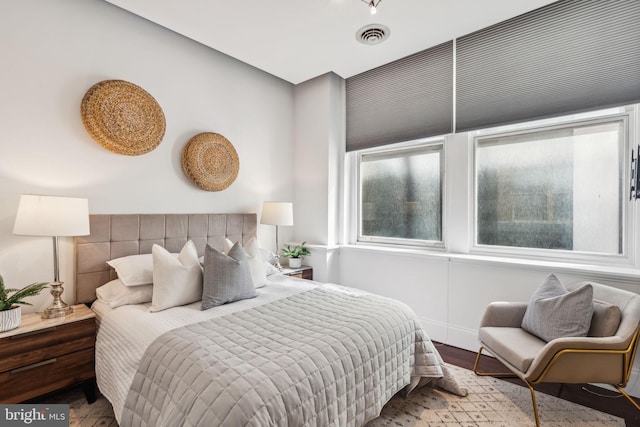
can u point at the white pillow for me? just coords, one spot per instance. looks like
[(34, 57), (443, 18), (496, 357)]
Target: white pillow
[(116, 294), (256, 262), (228, 244), (268, 258), (134, 270), (270, 269), (267, 255), (176, 281)]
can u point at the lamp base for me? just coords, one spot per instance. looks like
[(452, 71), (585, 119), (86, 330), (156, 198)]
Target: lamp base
[(51, 312), (276, 262), (57, 308)]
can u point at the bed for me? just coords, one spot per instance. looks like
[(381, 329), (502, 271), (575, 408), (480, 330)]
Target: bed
[(297, 353)]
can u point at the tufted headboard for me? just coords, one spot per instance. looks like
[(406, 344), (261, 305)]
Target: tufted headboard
[(114, 236)]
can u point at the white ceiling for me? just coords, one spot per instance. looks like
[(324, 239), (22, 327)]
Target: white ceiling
[(297, 40)]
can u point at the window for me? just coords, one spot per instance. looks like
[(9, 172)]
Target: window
[(400, 197), (556, 188)]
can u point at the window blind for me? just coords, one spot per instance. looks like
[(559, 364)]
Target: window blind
[(569, 56), (406, 99)]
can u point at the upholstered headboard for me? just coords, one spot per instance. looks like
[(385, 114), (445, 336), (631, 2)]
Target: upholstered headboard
[(114, 236)]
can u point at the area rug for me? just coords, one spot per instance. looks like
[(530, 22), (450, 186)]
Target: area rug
[(491, 402)]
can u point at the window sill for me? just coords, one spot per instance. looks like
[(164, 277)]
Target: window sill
[(588, 271)]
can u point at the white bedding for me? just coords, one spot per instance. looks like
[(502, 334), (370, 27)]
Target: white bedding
[(125, 332), (328, 355)]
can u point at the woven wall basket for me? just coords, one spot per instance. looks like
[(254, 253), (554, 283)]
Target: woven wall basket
[(123, 117), (210, 161)]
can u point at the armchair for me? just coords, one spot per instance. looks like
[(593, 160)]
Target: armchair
[(591, 359)]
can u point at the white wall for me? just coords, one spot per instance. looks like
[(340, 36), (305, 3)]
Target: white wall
[(318, 162), (53, 52)]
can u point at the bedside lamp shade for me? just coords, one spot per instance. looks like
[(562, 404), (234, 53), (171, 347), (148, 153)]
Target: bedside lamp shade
[(277, 213), (52, 216), (55, 217)]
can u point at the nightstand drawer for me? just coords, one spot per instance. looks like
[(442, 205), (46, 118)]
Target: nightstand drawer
[(45, 376), (307, 274), (45, 355), (25, 349), (304, 272)]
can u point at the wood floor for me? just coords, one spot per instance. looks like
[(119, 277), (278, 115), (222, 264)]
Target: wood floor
[(584, 394)]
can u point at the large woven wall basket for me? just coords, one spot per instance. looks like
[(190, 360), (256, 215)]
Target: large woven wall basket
[(123, 117), (210, 161)]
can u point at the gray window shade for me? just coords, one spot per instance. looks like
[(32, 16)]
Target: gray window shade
[(566, 57), (406, 99)]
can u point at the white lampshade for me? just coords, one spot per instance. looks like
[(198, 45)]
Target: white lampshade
[(52, 216), (277, 213)]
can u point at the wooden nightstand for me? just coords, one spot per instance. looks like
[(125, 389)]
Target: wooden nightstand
[(304, 272), (44, 355)]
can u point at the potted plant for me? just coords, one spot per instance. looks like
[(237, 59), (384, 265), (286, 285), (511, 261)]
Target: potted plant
[(10, 311), (295, 254)]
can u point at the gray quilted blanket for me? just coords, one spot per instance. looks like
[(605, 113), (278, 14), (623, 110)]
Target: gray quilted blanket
[(331, 356)]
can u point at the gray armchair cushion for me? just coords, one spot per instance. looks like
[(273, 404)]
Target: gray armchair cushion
[(514, 345), (553, 312), (606, 319), (227, 278), (504, 314)]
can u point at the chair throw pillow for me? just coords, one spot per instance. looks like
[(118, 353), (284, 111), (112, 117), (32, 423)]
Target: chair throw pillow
[(553, 312), (227, 278), (606, 319)]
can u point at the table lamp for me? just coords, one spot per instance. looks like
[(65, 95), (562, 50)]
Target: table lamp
[(277, 213), (55, 217)]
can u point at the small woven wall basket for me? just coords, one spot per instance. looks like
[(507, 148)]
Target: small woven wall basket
[(210, 161), (123, 117)]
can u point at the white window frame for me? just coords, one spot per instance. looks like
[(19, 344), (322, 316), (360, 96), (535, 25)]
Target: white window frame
[(429, 143), (627, 257)]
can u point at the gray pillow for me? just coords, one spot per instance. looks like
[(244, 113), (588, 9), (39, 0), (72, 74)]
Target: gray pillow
[(227, 278), (606, 319), (553, 312)]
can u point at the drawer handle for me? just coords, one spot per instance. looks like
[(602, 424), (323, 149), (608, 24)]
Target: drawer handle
[(34, 365)]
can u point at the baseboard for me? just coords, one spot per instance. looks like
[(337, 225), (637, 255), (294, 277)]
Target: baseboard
[(451, 335), (436, 330), (462, 338)]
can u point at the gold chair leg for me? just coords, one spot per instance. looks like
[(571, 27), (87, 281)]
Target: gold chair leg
[(475, 364), (629, 398), (502, 374), (535, 404), (489, 374)]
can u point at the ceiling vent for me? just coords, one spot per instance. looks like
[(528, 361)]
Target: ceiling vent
[(372, 34)]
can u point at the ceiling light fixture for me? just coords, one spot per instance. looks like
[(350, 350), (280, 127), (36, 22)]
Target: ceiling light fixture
[(373, 5)]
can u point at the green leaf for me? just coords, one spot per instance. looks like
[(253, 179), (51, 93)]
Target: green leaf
[(297, 251), (6, 301)]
